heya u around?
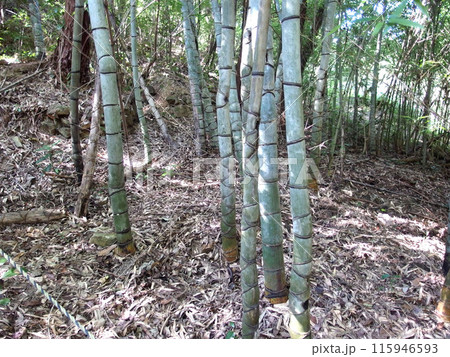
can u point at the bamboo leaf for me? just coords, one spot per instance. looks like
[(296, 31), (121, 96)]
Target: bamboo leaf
[(45, 148), (4, 301), (377, 29), (48, 168), (11, 272), (43, 158), (365, 19), (2, 260), (403, 22), (334, 29), (399, 9), (422, 8)]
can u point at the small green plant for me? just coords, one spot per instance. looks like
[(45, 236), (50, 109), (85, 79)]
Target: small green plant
[(391, 280), (7, 274), (10, 272), (141, 176), (169, 172), (48, 154), (231, 334)]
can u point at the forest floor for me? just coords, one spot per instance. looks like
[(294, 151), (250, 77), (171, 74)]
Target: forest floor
[(379, 229)]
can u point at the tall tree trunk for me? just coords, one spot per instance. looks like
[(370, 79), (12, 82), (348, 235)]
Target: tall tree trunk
[(268, 190), (247, 55), (85, 49), (137, 87), (155, 42), (61, 58), (250, 210), (356, 64), (373, 94), (299, 293), (435, 7), (111, 109), (194, 75), (227, 189), (77, 155), (36, 23), (321, 81), (212, 125), (355, 108), (217, 24), (308, 41)]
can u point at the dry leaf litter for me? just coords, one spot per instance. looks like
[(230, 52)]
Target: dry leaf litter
[(379, 231)]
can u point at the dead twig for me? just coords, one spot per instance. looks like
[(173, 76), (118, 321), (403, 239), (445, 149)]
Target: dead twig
[(12, 85)]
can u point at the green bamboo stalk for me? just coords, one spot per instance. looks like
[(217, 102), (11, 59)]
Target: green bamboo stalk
[(137, 87), (268, 190), (212, 125), (319, 96), (194, 75), (299, 292), (227, 189), (210, 120), (245, 72), (279, 82), (247, 58), (236, 120), (250, 209), (111, 109), (36, 24)]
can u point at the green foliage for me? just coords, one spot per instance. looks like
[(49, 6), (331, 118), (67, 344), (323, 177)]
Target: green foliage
[(422, 8), (16, 36), (394, 20), (4, 301), (230, 333), (48, 158), (9, 273), (393, 17), (391, 280), (169, 171)]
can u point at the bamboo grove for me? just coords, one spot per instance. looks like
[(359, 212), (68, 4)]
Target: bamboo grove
[(303, 78)]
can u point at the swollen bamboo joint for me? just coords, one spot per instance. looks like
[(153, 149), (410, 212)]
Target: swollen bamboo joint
[(224, 133), (299, 292), (268, 188)]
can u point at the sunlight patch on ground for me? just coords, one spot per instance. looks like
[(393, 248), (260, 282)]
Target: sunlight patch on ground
[(424, 244), (364, 250)]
